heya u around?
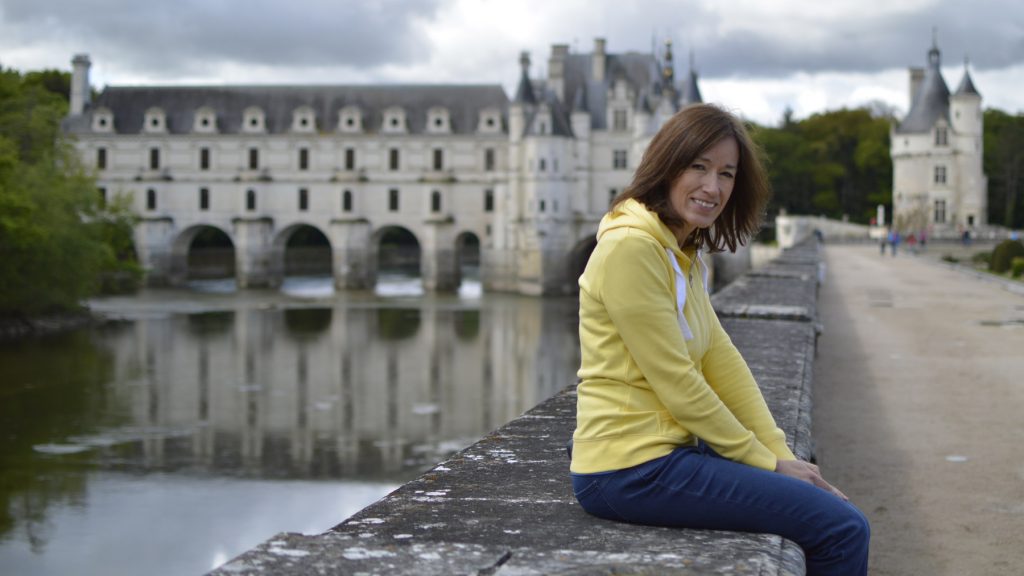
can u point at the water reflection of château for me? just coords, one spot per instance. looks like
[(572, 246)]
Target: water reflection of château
[(343, 391)]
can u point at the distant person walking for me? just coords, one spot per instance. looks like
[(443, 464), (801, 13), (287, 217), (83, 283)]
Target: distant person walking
[(671, 428), (894, 240)]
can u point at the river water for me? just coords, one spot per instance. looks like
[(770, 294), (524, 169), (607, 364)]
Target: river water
[(201, 422)]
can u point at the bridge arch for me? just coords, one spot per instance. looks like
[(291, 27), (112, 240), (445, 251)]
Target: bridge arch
[(302, 249), (396, 253), (202, 252), (467, 257)]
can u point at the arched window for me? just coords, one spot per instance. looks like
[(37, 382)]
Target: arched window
[(204, 198), (156, 120), (346, 201), (435, 201), (150, 199), (250, 200)]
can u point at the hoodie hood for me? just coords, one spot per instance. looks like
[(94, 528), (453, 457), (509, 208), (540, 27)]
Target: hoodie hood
[(633, 214)]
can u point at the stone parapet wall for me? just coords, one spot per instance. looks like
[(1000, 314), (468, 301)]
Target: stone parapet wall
[(505, 504)]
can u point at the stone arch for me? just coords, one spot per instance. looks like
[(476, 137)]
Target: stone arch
[(467, 256), (395, 251), (301, 249), (202, 252), (578, 258)]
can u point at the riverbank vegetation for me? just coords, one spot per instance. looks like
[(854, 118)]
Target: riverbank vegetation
[(60, 241)]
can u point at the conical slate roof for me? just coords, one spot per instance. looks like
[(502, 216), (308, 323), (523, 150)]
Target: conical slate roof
[(691, 93), (524, 93), (932, 101), (967, 86)]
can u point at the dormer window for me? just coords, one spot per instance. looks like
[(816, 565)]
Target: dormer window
[(304, 120), (489, 121), (394, 121), (941, 136), (253, 120), (155, 121), (350, 120), (438, 121), (205, 121), (103, 120)]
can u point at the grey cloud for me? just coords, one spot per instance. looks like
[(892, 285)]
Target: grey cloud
[(186, 35), (989, 31)]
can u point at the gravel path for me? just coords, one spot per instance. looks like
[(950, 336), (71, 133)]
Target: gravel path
[(919, 410)]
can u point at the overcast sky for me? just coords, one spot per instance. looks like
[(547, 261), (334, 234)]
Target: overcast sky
[(754, 56)]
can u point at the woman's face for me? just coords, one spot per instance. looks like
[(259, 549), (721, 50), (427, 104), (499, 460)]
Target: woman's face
[(699, 194)]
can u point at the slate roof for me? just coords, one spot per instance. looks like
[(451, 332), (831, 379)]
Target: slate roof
[(691, 92), (932, 101), (180, 103), (639, 70), (967, 86)]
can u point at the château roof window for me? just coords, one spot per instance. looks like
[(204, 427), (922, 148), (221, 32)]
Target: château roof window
[(155, 121), (489, 121), (350, 120), (438, 121), (304, 120), (253, 120), (205, 121), (394, 121), (103, 120)]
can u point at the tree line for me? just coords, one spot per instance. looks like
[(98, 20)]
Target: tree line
[(837, 164), (59, 241)]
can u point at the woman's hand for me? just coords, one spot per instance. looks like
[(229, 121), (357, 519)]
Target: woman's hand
[(808, 473)]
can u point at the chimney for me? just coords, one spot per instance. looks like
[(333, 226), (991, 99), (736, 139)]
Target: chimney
[(598, 60), (916, 77), (79, 83), (556, 69)]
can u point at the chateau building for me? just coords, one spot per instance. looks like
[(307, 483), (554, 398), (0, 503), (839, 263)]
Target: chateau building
[(938, 182), (459, 167)]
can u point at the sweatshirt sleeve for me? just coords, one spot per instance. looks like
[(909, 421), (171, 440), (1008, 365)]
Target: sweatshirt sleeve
[(729, 376), (638, 295)]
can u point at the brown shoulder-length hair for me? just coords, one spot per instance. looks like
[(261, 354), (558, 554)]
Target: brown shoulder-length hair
[(673, 149)]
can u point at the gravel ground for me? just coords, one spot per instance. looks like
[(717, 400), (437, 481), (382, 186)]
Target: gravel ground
[(919, 409)]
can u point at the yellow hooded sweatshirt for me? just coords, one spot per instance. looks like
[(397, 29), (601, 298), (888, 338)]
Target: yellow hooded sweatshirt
[(645, 388)]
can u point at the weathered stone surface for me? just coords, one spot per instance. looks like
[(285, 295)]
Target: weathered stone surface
[(505, 504)]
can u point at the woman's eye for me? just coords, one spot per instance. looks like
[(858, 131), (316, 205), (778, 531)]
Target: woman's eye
[(727, 174), (697, 166)]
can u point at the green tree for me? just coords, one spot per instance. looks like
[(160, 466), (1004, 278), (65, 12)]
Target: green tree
[(835, 163), (1004, 165), (56, 240)]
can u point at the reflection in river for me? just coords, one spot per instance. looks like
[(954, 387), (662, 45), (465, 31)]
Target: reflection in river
[(203, 423)]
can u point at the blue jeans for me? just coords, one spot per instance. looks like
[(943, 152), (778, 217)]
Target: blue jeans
[(694, 487)]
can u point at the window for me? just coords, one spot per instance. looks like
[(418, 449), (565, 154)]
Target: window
[(254, 159), (346, 201), (435, 201), (303, 158), (150, 199), (250, 200), (543, 205), (940, 174), (489, 159), (970, 220), (154, 158), (393, 199), (543, 164), (619, 159), (438, 159), (204, 198), (488, 200), (204, 158), (102, 192), (619, 120), (612, 193), (941, 137), (350, 159), (303, 199), (542, 127), (940, 212), (101, 158), (393, 159)]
